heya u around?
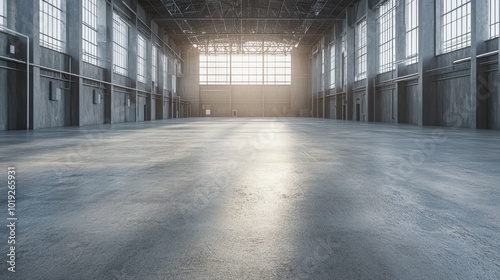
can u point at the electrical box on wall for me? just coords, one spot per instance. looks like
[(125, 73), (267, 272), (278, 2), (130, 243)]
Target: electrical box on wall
[(97, 96), (55, 93), (12, 49), (127, 102)]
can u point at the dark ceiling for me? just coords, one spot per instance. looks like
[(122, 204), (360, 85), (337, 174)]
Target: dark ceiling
[(204, 22)]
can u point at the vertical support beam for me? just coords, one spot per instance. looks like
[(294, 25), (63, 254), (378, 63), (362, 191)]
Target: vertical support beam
[(350, 65), (132, 62), (109, 62), (149, 82), (426, 60), (74, 42), (400, 52), (317, 66), (310, 79), (160, 78), (372, 62), (479, 34), (324, 69), (338, 69), (27, 22)]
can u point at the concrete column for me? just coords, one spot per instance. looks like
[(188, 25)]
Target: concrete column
[(350, 68), (372, 62), (300, 89), (74, 43), (478, 93), (189, 87), (149, 99), (338, 70), (27, 22), (132, 63), (400, 51), (326, 64), (109, 61), (426, 60)]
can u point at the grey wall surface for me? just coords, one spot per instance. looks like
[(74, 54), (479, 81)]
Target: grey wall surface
[(300, 89), (76, 79), (385, 105), (188, 85), (436, 90), (444, 93), (408, 104), (248, 101)]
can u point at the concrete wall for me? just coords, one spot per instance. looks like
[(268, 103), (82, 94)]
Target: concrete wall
[(4, 90), (188, 83), (300, 89), (248, 101), (434, 91), (408, 104), (77, 79)]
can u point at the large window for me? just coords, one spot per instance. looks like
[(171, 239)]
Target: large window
[(322, 77), (3, 12), (245, 69), (344, 60), (89, 31), (494, 18), (332, 66), (166, 70), (141, 59), (411, 23), (455, 25), (360, 31), (120, 45), (277, 69), (52, 24), (214, 69), (386, 18), (154, 63)]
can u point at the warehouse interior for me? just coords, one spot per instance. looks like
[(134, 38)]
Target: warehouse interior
[(240, 139)]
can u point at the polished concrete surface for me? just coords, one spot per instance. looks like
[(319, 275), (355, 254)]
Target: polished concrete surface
[(253, 199)]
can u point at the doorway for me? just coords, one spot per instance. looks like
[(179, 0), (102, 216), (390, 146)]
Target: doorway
[(358, 112)]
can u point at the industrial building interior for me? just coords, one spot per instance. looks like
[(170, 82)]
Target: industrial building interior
[(250, 139)]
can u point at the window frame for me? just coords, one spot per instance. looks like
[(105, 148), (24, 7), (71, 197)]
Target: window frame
[(120, 45), (154, 63), (343, 43), (332, 66), (386, 27), (494, 18), (89, 32), (165, 71), (447, 38), (323, 62), (142, 52), (412, 28), (3, 12), (52, 25), (256, 68), (360, 50)]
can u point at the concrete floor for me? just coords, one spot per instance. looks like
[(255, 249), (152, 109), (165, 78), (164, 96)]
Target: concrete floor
[(254, 199)]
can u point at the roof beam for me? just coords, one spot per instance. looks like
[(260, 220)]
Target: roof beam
[(247, 18), (244, 34)]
